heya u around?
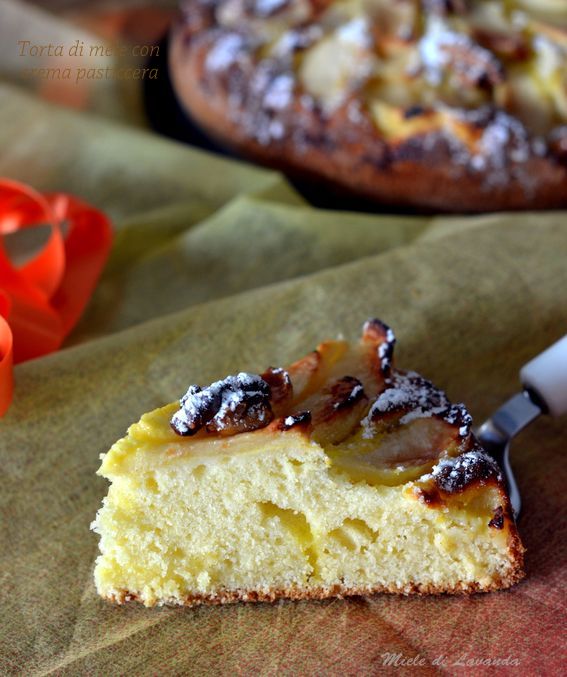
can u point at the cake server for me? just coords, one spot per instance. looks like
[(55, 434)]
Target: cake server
[(544, 381)]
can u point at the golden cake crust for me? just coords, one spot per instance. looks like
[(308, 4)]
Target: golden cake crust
[(435, 169), (515, 575)]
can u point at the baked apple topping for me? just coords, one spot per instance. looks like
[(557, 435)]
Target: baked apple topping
[(281, 388), (376, 423), (446, 53), (453, 475), (301, 418), (338, 410), (376, 332), (408, 397), (445, 7)]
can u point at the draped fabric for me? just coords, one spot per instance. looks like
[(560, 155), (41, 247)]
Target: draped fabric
[(218, 266)]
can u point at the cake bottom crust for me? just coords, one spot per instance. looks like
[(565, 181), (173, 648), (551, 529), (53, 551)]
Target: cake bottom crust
[(338, 591)]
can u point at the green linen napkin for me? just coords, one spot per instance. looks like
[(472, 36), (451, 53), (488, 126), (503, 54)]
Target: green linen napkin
[(469, 308)]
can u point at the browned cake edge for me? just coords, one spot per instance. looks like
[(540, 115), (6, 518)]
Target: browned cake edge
[(336, 591)]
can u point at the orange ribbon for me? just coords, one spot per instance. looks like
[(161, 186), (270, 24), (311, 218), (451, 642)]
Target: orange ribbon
[(42, 300)]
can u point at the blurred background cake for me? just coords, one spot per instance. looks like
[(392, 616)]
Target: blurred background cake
[(448, 105), (376, 105)]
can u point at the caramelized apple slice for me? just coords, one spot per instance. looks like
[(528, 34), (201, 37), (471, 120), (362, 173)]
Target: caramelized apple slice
[(303, 372), (311, 372), (379, 340), (370, 362), (335, 382), (337, 410), (410, 425), (281, 389), (407, 396), (299, 419), (358, 470), (398, 456), (506, 44)]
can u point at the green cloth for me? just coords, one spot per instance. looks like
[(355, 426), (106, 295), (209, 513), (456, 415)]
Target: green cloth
[(219, 267)]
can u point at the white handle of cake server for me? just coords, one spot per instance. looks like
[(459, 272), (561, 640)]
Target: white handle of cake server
[(546, 375)]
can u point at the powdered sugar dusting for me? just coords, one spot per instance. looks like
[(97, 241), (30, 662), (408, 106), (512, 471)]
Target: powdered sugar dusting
[(240, 402), (432, 57), (356, 32), (386, 351), (454, 474), (442, 50), (415, 397), (297, 419), (226, 51), (266, 8), (279, 92), (357, 391)]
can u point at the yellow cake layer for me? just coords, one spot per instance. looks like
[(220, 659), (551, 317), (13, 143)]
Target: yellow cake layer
[(273, 510)]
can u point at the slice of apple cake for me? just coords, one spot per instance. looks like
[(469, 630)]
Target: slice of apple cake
[(340, 475)]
